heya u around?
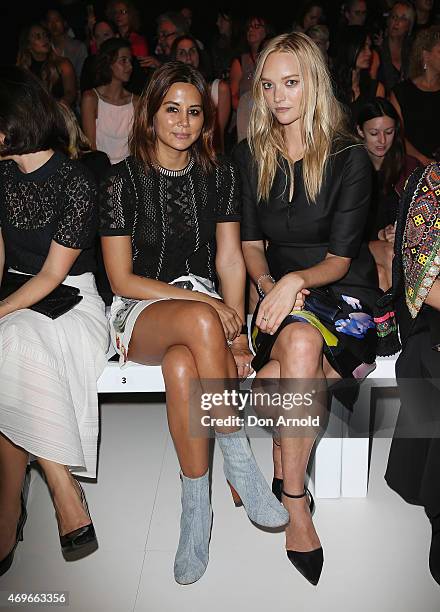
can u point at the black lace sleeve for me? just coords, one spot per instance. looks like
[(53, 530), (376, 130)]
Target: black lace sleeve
[(228, 192), (116, 201), (78, 220)]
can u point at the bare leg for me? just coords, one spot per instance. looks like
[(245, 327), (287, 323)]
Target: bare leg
[(187, 339), (66, 497), (272, 370), (179, 368), (13, 462), (298, 349)]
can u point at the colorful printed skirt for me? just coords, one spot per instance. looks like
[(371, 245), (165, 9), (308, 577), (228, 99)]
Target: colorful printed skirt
[(349, 342)]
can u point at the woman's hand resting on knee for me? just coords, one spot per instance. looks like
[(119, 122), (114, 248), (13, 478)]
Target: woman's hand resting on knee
[(286, 295), (229, 318)]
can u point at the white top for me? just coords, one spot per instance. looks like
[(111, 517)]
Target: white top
[(214, 91), (113, 126)]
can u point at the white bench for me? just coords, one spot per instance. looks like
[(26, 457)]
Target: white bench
[(340, 464)]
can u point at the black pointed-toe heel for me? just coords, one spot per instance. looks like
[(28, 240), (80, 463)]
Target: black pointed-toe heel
[(277, 487), (6, 563), (309, 563), (82, 541)]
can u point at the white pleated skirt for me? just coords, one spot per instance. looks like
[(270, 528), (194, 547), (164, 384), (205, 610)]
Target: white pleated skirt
[(48, 374)]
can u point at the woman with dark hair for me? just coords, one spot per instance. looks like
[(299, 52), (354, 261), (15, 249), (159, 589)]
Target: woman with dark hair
[(425, 15), (107, 110), (101, 31), (53, 330), (36, 54), (414, 461), (170, 234), (417, 99), (63, 44), (379, 127), (310, 14), (186, 50), (354, 84), (257, 29), (126, 17), (225, 44), (396, 47)]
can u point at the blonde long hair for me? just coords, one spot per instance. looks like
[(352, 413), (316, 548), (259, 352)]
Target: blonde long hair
[(322, 118)]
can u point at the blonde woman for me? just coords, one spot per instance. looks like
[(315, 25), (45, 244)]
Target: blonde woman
[(36, 54), (306, 191)]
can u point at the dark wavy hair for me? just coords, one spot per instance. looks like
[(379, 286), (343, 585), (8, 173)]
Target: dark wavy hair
[(392, 165), (203, 68), (106, 56), (305, 8), (351, 44), (29, 116), (143, 137)]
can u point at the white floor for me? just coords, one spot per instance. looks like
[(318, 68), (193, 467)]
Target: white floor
[(376, 549)]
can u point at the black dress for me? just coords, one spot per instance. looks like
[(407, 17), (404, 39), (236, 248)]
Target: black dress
[(420, 117), (299, 234), (413, 469)]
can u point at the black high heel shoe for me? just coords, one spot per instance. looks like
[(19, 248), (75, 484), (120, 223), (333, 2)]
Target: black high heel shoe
[(309, 563), (6, 563), (82, 541)]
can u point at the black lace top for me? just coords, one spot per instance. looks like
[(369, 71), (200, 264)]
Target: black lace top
[(55, 202), (171, 216)]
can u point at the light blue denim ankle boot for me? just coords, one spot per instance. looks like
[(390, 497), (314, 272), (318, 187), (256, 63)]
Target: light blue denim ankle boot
[(242, 472), (195, 530)]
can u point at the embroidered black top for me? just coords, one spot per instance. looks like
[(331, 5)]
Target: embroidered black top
[(171, 216), (58, 201)]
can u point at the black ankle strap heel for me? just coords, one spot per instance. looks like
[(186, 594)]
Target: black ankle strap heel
[(309, 563), (304, 494)]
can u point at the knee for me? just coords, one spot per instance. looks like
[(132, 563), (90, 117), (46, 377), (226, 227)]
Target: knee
[(300, 342), (204, 320), (178, 364)]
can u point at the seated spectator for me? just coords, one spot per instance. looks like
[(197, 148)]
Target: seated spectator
[(63, 44), (225, 44), (257, 30), (354, 84), (379, 127), (355, 12), (36, 54), (414, 460), (169, 26), (98, 163), (107, 110), (310, 14), (396, 47), (417, 100), (101, 31), (126, 17), (424, 14), (321, 36), (49, 362), (185, 50), (187, 14)]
